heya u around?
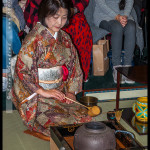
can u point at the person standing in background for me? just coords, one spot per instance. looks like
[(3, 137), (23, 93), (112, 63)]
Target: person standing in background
[(31, 12), (81, 35)]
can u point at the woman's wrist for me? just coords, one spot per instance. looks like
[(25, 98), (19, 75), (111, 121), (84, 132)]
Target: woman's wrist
[(117, 17), (40, 91)]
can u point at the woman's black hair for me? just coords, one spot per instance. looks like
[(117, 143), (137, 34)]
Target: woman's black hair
[(50, 8), (122, 4)]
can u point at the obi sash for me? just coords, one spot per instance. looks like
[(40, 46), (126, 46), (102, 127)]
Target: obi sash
[(50, 78)]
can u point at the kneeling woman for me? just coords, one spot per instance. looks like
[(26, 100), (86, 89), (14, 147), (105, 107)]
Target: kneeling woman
[(47, 70)]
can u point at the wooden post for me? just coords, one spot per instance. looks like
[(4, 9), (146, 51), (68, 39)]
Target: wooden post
[(118, 90)]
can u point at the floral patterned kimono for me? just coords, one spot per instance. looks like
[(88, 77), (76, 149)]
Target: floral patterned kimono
[(41, 50)]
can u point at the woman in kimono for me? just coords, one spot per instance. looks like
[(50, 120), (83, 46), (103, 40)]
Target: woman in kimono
[(77, 28), (47, 71)]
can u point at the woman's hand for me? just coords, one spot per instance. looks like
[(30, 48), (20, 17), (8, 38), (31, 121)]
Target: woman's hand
[(122, 19), (52, 93), (71, 96)]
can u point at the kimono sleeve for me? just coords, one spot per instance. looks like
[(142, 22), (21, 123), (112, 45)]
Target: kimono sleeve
[(75, 80), (26, 68)]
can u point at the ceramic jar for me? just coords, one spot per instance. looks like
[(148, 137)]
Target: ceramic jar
[(94, 136), (140, 108)]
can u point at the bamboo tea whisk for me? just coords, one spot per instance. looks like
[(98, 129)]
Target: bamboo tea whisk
[(92, 111)]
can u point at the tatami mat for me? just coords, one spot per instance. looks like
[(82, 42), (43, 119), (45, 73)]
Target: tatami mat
[(124, 93), (15, 139)]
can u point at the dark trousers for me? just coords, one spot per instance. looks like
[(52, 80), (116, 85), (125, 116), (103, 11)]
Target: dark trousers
[(117, 31)]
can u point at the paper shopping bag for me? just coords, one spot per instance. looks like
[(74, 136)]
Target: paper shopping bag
[(100, 59)]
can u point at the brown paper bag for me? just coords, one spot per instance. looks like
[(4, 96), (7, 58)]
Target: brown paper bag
[(100, 59)]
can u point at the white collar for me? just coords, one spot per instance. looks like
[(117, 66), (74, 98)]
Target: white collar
[(55, 35)]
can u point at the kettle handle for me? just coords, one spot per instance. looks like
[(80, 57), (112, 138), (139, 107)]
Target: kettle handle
[(133, 108), (126, 132)]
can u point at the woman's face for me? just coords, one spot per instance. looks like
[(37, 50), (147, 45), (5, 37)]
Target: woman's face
[(56, 22)]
